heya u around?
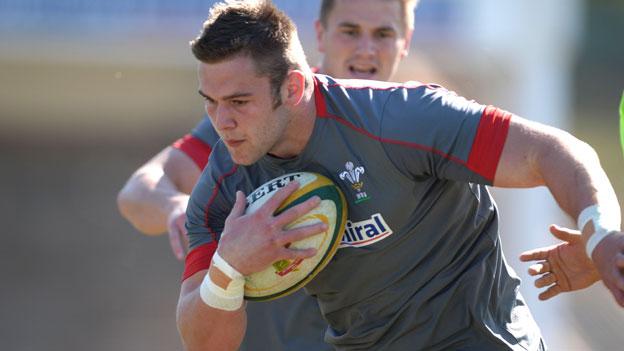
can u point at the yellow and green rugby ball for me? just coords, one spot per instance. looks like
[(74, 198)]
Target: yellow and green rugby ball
[(287, 276)]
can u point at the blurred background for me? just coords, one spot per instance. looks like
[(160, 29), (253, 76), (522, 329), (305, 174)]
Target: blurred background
[(89, 90)]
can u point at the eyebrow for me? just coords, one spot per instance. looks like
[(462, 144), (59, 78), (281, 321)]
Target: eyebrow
[(348, 24), (388, 28), (352, 25), (228, 97), (201, 93)]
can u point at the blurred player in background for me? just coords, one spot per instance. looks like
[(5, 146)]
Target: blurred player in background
[(358, 39)]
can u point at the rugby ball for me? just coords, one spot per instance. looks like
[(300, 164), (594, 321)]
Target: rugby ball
[(286, 276)]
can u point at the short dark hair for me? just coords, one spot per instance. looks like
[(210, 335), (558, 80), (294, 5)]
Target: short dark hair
[(407, 11), (254, 28)]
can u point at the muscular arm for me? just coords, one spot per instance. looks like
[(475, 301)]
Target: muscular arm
[(536, 155), (156, 189), (201, 325)]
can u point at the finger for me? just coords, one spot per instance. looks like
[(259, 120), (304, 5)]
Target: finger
[(565, 234), (550, 293), (619, 261), (274, 202), (239, 205), (181, 222), (617, 293), (619, 279), (174, 242), (619, 297), (297, 211), (545, 280), (300, 233), (539, 268), (185, 240), (534, 255), (294, 254)]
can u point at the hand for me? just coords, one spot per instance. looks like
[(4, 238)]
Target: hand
[(564, 267), (177, 231), (609, 259), (251, 242)]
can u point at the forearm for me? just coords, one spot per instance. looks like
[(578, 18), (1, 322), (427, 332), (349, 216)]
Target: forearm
[(538, 155), (572, 172), (203, 327), (148, 198)]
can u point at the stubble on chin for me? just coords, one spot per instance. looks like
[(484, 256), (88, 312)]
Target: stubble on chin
[(243, 158)]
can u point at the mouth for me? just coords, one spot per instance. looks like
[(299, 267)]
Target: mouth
[(362, 71), (233, 142)]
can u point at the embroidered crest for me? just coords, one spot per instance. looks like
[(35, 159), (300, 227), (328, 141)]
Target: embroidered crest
[(352, 175)]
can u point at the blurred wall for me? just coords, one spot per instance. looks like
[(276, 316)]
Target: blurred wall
[(90, 90)]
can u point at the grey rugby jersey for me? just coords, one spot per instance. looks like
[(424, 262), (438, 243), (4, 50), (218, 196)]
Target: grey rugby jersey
[(421, 265), (291, 323)]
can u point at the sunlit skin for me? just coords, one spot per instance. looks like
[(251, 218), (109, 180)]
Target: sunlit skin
[(363, 39), (240, 106)]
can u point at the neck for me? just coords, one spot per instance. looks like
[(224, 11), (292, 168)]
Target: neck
[(299, 130)]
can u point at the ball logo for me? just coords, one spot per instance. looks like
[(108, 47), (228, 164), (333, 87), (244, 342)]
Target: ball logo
[(283, 267), (271, 187)]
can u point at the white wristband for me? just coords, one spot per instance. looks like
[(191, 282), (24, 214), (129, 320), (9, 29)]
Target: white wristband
[(604, 223), (229, 299)]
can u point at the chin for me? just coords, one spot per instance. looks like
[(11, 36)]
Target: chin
[(243, 159)]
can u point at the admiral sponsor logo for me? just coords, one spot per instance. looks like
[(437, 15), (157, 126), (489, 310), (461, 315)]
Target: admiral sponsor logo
[(272, 186), (352, 174), (365, 232)]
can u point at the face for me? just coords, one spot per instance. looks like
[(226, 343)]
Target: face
[(363, 39), (240, 106)]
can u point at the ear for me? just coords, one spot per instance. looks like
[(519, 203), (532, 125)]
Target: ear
[(294, 88), (320, 33), (408, 40)]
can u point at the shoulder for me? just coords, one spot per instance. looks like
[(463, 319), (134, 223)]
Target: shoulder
[(220, 164), (357, 104), (218, 172), (363, 104), (206, 132)]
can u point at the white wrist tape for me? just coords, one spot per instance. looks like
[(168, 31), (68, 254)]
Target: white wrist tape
[(229, 299), (604, 222)]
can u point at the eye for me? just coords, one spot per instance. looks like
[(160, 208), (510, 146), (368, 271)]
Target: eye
[(238, 102), (351, 32), (384, 34)]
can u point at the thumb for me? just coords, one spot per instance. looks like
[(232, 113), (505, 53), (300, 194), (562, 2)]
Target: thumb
[(239, 206), (174, 242), (565, 234)]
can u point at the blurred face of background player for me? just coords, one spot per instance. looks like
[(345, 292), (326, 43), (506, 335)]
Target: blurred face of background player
[(243, 109), (363, 39)]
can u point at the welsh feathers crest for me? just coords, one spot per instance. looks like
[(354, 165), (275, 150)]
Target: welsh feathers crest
[(352, 175)]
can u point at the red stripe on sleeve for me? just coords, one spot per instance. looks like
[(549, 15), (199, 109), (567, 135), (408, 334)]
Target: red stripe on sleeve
[(489, 141), (321, 108), (195, 148), (199, 259)]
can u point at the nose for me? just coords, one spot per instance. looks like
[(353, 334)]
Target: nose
[(222, 118), (366, 46)]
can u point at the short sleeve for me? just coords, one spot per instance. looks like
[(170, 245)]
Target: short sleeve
[(199, 143), (208, 207), (431, 132)]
